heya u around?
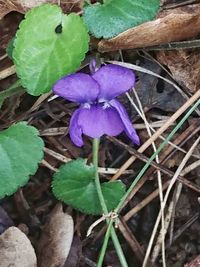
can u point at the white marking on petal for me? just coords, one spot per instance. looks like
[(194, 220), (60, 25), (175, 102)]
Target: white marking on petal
[(86, 105)]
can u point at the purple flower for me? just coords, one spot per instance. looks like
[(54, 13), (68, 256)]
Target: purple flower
[(99, 112)]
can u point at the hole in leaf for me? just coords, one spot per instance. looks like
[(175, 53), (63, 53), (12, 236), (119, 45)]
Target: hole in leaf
[(58, 29)]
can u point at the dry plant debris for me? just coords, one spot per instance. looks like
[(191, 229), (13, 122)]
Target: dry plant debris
[(5, 220), (16, 249), (184, 66), (163, 30), (23, 6), (194, 263), (56, 239)]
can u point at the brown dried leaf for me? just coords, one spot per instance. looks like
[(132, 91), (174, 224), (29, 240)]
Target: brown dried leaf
[(184, 66), (75, 254), (16, 249), (22, 6), (154, 93), (56, 239), (172, 25)]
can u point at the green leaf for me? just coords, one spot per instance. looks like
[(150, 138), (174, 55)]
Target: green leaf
[(74, 185), (20, 152), (48, 46), (116, 16)]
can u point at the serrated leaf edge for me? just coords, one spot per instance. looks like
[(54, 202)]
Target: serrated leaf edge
[(36, 133)]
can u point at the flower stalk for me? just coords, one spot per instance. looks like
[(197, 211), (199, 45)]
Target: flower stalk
[(96, 142), (110, 229)]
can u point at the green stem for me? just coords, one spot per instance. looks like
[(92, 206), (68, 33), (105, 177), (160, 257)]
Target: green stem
[(12, 90), (105, 244), (97, 182), (120, 205), (115, 239), (118, 248)]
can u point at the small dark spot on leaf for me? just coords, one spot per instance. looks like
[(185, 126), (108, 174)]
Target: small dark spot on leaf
[(58, 29)]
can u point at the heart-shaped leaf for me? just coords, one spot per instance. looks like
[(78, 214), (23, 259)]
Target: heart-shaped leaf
[(48, 46), (116, 16), (74, 185), (20, 152)]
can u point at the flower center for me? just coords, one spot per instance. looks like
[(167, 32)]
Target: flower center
[(86, 105), (103, 104), (106, 105)]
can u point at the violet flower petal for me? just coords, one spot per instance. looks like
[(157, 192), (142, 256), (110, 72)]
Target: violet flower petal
[(97, 121), (113, 80), (78, 87), (128, 127), (75, 131)]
